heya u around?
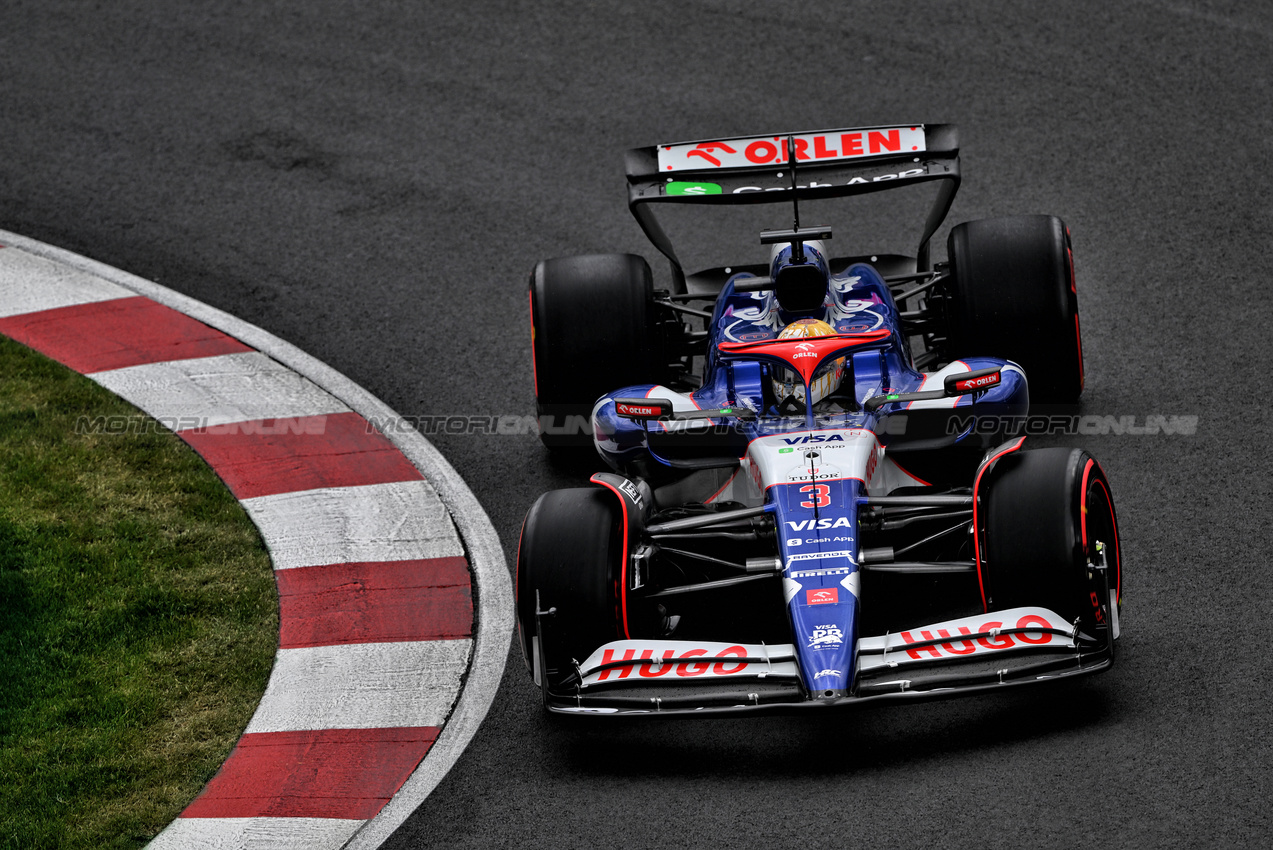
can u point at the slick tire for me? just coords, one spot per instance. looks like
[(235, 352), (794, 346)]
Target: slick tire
[(570, 557), (592, 331), (1012, 296), (1048, 515)]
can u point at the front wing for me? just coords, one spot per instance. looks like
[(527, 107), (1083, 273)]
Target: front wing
[(953, 658)]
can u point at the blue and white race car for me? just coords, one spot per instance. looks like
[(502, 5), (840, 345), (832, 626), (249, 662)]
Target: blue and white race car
[(819, 497)]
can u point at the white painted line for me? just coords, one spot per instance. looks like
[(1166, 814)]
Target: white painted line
[(29, 283), (398, 521), (362, 686), (255, 834), (216, 390), (492, 585)]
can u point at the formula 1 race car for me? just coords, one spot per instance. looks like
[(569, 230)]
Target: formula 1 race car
[(819, 498)]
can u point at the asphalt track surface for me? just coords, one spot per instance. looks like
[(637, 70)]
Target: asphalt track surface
[(374, 181)]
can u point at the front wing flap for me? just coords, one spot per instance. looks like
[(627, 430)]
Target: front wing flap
[(964, 656)]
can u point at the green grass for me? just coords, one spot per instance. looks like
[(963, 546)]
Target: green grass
[(138, 617)]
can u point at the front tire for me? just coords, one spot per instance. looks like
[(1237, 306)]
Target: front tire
[(571, 555), (1048, 516), (1012, 296)]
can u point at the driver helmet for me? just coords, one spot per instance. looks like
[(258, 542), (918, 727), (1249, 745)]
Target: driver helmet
[(826, 380)]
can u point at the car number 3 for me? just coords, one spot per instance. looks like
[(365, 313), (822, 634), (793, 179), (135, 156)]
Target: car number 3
[(821, 497)]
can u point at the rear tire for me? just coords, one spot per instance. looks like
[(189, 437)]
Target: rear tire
[(1013, 296), (571, 554), (1045, 511), (592, 331)]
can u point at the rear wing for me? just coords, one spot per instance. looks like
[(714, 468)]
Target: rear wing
[(829, 164)]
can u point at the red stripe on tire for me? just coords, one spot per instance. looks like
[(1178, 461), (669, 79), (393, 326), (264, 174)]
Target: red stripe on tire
[(1078, 344), (976, 546), (269, 456), (118, 333), (622, 589), (328, 773), (375, 603)]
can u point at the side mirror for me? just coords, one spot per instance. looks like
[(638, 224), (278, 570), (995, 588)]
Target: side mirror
[(961, 384), (969, 382), (643, 408), (661, 409)]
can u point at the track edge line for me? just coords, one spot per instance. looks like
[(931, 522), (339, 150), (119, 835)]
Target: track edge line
[(493, 608)]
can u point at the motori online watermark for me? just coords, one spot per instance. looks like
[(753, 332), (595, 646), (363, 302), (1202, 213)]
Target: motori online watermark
[(1185, 425), (138, 423), (1084, 425), (517, 425)]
